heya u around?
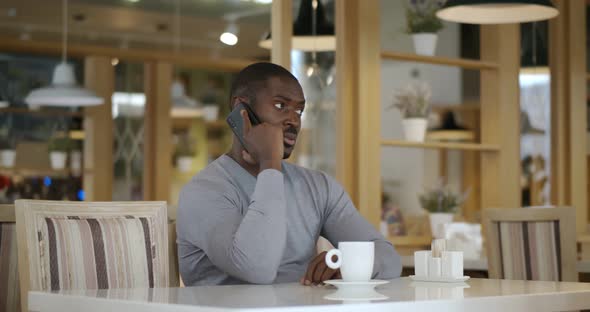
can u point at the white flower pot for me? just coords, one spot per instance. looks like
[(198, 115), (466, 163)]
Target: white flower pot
[(210, 112), (76, 162), (7, 158), (58, 160), (415, 129), (437, 222), (184, 163), (425, 43)]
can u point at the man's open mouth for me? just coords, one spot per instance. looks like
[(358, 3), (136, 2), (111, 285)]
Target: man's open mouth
[(289, 139)]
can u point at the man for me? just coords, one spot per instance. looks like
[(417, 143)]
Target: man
[(249, 217)]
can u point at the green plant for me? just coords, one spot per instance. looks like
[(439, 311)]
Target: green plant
[(441, 199), (413, 101), (60, 145), (421, 16)]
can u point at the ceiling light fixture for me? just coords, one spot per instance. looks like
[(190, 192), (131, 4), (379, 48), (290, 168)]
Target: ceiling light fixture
[(177, 89), (497, 11), (63, 90), (230, 35), (306, 37)]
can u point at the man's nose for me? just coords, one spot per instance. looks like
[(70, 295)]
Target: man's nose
[(292, 119)]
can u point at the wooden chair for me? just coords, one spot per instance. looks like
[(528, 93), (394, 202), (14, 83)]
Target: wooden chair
[(9, 283), (91, 245), (531, 243)]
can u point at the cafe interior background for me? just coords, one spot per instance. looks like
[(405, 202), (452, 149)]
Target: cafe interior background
[(164, 69)]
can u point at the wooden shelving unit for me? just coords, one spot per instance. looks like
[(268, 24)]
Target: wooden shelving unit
[(443, 145), (455, 108), (437, 60), (40, 113), (38, 172)]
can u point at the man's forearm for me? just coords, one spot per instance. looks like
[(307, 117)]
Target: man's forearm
[(256, 248)]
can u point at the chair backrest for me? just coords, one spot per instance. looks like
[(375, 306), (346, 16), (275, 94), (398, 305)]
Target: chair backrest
[(531, 243), (9, 284), (91, 245)]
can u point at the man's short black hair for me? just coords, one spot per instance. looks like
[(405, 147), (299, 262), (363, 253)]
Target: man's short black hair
[(253, 77)]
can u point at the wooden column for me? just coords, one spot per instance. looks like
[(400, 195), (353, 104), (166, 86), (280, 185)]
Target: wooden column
[(158, 131), (359, 104), (500, 116), (99, 77), (282, 32), (567, 60)]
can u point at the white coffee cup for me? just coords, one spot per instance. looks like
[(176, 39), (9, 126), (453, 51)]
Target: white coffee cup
[(355, 260)]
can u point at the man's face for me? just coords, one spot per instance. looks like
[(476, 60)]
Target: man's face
[(281, 103)]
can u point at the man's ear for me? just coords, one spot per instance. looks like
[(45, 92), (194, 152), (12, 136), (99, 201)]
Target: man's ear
[(237, 100)]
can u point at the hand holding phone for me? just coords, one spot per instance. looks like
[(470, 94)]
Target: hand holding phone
[(262, 142)]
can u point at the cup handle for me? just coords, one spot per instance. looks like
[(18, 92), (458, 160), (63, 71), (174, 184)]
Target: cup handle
[(331, 264)]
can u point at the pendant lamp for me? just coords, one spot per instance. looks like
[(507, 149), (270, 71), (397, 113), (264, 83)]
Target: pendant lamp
[(306, 37), (63, 91), (177, 90), (497, 11)]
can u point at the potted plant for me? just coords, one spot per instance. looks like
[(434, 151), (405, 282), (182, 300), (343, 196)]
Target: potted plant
[(7, 153), (413, 101), (58, 151), (441, 203), (184, 155), (423, 25)]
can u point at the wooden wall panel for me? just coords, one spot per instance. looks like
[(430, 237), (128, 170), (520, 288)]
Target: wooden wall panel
[(359, 104), (568, 108), (99, 76), (500, 117), (158, 131)]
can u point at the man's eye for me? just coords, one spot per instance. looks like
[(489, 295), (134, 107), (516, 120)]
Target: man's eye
[(280, 105), (299, 112)]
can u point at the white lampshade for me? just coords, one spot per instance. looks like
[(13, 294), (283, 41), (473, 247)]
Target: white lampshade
[(497, 12), (179, 97), (63, 91), (306, 43), (307, 34)]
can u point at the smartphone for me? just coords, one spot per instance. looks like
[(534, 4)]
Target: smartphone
[(236, 122)]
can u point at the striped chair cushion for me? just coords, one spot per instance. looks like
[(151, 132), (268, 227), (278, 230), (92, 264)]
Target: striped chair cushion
[(9, 284), (530, 250), (107, 252)]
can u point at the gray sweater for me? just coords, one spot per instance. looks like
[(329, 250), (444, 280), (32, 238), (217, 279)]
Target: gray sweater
[(235, 228)]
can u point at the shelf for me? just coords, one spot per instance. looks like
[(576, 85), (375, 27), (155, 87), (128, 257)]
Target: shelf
[(410, 241), (455, 108), (39, 172), (437, 60), (443, 145), (41, 113)]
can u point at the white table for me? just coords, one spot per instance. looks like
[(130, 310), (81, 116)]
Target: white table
[(481, 264), (402, 295)]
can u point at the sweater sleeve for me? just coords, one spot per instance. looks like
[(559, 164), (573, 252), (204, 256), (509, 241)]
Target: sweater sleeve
[(344, 223), (248, 247)]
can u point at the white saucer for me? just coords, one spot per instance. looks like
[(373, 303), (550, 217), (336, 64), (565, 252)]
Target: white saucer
[(439, 279), (344, 284), (356, 297)]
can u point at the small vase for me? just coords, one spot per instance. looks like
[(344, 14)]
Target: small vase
[(415, 129), (58, 160), (425, 43), (210, 112), (437, 222), (184, 163), (7, 158)]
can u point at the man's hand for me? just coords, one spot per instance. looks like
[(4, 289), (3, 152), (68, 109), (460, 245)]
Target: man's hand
[(264, 143), (318, 271)]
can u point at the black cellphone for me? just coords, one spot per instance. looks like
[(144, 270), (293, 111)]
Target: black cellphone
[(236, 122)]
